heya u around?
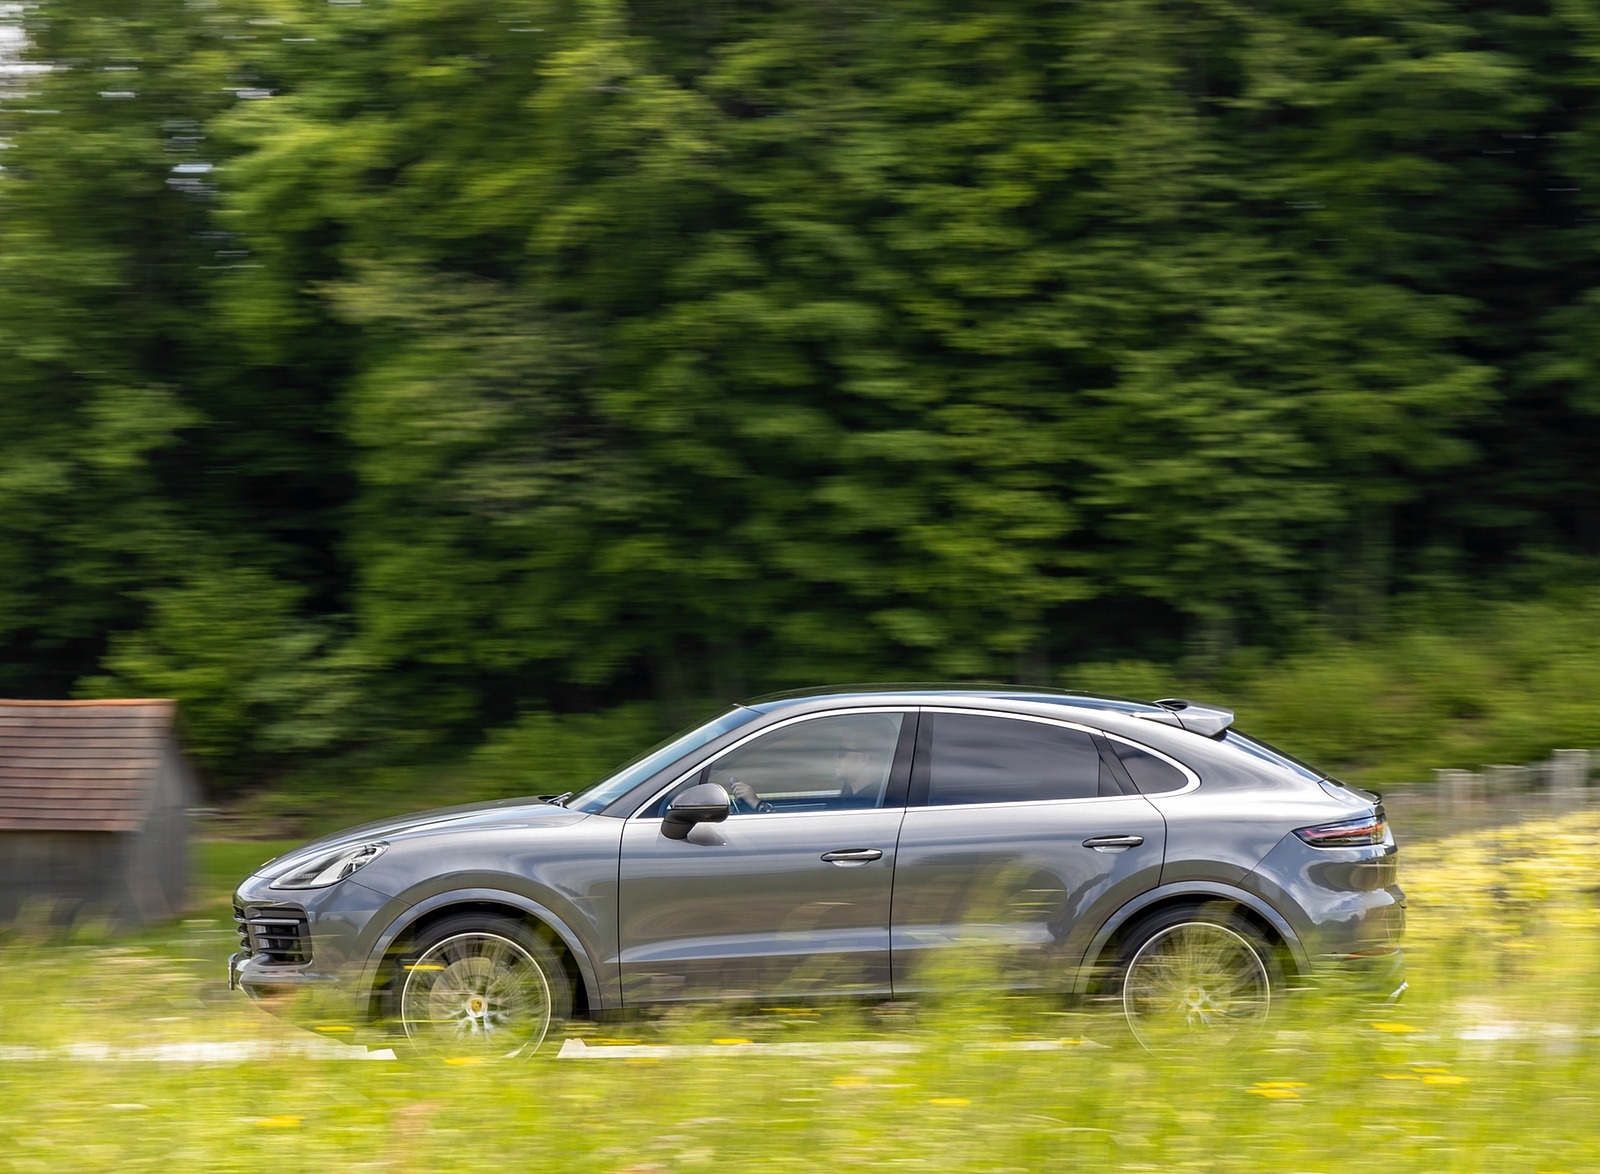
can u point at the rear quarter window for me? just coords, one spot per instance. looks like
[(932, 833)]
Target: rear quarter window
[(1151, 773)]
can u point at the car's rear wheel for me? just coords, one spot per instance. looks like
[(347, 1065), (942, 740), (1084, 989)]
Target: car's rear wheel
[(480, 986), (1197, 976)]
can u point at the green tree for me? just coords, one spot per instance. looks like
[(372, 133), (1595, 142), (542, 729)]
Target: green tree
[(134, 497), (386, 372)]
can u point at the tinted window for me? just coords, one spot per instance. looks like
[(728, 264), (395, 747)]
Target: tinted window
[(1151, 774), (974, 759), (825, 764)]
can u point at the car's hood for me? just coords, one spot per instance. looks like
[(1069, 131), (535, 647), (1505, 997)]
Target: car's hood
[(502, 813)]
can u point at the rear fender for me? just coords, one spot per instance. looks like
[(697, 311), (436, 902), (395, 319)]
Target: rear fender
[(1202, 892)]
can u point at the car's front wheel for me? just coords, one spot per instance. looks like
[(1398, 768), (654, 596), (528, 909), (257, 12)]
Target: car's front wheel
[(481, 986), (1196, 976)]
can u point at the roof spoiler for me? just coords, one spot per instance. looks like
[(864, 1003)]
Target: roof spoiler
[(1209, 720)]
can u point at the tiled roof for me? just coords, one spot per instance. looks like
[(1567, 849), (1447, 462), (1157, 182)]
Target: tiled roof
[(87, 766)]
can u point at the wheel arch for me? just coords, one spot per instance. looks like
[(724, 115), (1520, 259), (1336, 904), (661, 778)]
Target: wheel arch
[(587, 999), (1259, 912)]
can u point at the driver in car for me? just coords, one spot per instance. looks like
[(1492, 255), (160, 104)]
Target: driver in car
[(857, 770)]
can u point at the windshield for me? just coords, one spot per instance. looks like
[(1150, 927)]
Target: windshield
[(1259, 749), (631, 774)]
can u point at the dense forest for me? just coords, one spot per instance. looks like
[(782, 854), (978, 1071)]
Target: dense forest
[(381, 374)]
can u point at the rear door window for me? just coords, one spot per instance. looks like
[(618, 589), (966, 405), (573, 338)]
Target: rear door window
[(976, 758)]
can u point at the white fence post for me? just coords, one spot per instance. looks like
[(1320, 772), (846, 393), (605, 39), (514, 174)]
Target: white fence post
[(1568, 772), (1504, 780), (1457, 789)]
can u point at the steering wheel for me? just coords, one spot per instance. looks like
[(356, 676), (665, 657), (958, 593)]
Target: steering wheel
[(740, 806)]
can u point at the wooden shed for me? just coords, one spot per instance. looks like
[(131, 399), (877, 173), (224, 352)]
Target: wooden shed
[(94, 802)]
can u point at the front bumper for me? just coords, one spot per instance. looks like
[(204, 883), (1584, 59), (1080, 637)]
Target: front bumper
[(303, 953)]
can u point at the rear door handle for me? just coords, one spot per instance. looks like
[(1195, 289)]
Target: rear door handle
[(845, 857), (1113, 843)]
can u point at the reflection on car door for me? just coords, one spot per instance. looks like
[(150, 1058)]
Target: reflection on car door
[(792, 901), (1018, 843)]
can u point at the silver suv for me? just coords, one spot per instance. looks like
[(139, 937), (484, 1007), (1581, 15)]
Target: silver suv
[(848, 843)]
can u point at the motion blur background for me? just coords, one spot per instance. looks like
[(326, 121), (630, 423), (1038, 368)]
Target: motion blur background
[(446, 398)]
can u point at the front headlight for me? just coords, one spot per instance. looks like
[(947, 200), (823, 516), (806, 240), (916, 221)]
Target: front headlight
[(330, 867)]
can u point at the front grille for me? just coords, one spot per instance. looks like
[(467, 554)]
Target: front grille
[(274, 934)]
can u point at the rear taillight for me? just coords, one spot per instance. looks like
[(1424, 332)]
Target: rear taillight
[(1349, 833)]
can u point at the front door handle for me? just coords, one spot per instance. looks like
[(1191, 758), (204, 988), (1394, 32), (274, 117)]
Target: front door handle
[(845, 857), (1113, 843)]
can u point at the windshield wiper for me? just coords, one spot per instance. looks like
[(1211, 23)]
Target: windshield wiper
[(561, 799)]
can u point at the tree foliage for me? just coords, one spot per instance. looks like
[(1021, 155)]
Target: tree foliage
[(412, 366)]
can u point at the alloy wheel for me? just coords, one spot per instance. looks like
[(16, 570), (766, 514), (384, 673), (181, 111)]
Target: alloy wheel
[(476, 993), (1196, 982)]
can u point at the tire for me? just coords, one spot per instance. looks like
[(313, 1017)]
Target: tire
[(478, 986), (1197, 976)]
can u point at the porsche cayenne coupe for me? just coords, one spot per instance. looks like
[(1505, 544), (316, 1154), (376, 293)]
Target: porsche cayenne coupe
[(848, 843)]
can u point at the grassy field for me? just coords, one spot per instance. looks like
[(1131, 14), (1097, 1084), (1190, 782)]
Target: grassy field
[(1491, 1065)]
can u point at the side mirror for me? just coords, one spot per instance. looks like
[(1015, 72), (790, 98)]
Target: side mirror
[(702, 803)]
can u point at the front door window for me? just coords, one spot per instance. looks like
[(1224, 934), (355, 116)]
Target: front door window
[(829, 764)]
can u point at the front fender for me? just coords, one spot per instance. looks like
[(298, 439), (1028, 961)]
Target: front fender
[(407, 910), (1200, 890)]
